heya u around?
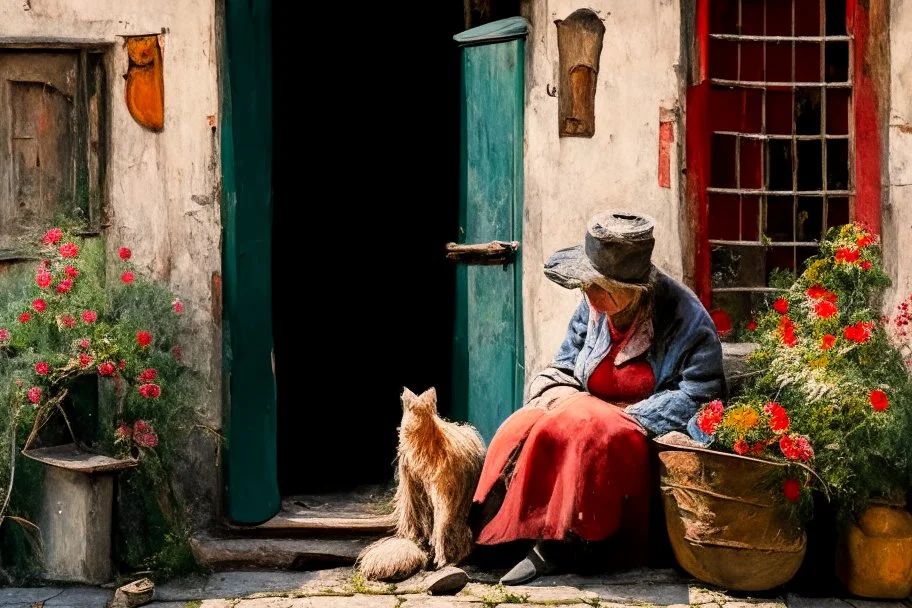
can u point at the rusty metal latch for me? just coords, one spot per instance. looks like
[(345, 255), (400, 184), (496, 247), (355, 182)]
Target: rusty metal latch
[(483, 254)]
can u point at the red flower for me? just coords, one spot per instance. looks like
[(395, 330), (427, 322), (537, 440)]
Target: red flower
[(796, 447), (89, 316), (146, 440), (84, 360), (68, 321), (64, 286), (787, 331), (39, 305), (719, 317), (5, 335), (71, 272), (758, 448), (178, 353), (85, 343), (709, 417), (150, 391), (124, 253), (781, 306), (859, 332), (779, 419), (122, 364), (846, 255), (817, 292), (864, 241), (825, 309), (43, 279), (147, 375), (143, 338), (24, 317), (41, 368), (52, 236), (866, 265), (879, 400), (127, 277), (106, 368), (144, 435), (752, 325), (792, 490), (34, 394), (69, 250), (123, 432), (741, 447), (179, 308), (827, 341)]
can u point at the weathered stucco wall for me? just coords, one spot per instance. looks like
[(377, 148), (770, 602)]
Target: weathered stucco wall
[(162, 188), (897, 213), (569, 179)]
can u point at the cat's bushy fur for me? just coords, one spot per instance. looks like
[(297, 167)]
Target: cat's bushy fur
[(438, 467)]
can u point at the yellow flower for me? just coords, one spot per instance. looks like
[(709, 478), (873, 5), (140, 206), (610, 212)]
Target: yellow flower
[(742, 418), (819, 362)]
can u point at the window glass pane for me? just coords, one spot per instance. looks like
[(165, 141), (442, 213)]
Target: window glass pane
[(807, 62), (810, 165), (723, 58), (722, 169), (809, 223), (807, 17), (835, 17), (780, 164), (779, 112), (807, 111), (837, 112), (723, 217), (778, 62), (780, 214), (837, 164), (738, 266), (751, 163), (837, 61), (837, 212)]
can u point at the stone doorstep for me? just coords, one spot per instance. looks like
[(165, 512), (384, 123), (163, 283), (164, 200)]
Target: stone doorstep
[(276, 553)]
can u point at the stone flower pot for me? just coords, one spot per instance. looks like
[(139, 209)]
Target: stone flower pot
[(727, 526), (874, 558)]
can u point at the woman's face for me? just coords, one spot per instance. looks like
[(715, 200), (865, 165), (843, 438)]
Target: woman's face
[(610, 302)]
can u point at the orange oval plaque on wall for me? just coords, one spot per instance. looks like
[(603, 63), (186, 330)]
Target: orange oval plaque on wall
[(145, 88)]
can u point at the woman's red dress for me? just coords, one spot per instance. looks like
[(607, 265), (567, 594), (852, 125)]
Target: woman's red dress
[(579, 469)]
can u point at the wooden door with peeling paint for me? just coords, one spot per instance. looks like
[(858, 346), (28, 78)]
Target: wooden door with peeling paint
[(488, 338), (51, 132)]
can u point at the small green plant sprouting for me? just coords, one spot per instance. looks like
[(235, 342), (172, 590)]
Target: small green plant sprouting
[(500, 595)]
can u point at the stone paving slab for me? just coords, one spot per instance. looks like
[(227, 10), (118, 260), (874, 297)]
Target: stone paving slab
[(87, 597)]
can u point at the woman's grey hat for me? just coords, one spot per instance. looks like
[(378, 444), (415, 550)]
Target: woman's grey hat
[(618, 246)]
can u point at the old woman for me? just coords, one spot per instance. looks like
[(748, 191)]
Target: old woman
[(640, 357)]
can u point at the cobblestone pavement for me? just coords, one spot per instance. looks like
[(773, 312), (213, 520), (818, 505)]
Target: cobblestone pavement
[(341, 588)]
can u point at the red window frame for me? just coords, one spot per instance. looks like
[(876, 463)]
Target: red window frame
[(865, 204)]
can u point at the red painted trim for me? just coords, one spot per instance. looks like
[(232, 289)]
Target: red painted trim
[(697, 145), (867, 127), (697, 150), (666, 138)]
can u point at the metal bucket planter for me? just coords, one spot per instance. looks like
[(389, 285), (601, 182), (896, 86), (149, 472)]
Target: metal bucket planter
[(728, 527), (875, 553)]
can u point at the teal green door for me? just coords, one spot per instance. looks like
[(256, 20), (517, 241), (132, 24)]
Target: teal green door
[(488, 339)]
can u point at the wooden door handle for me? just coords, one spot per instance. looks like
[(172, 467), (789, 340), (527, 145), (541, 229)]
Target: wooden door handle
[(493, 253)]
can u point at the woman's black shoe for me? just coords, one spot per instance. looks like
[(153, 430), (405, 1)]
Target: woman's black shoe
[(531, 567)]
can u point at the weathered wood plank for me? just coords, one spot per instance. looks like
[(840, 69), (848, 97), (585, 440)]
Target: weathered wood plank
[(70, 457)]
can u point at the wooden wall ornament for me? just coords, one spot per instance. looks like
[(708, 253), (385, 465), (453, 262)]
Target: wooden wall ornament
[(145, 88), (579, 45)]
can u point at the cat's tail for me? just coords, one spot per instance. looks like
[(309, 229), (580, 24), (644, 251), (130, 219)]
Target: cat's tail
[(391, 559)]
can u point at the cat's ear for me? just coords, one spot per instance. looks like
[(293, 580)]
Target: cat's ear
[(429, 395), (408, 398)]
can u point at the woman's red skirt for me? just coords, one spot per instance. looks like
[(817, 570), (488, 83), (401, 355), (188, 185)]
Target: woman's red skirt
[(579, 469)]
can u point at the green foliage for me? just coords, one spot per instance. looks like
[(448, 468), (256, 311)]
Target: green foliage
[(827, 358), (91, 354)]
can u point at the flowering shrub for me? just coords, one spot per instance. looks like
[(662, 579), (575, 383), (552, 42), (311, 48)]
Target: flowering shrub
[(76, 353), (830, 390)]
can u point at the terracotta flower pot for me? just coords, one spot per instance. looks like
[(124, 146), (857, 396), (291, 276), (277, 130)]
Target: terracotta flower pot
[(727, 526), (875, 553)]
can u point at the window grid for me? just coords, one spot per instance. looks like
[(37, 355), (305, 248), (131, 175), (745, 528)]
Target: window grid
[(763, 194)]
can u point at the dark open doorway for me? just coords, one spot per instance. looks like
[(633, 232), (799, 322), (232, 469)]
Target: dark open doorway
[(366, 155)]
